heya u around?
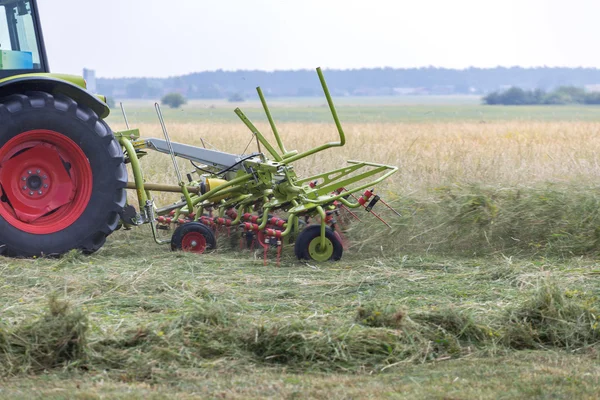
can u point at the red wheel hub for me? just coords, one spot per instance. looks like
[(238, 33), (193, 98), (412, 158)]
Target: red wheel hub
[(46, 182), (193, 242)]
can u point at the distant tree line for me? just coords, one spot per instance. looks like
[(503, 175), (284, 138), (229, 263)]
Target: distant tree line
[(563, 95), (355, 82)]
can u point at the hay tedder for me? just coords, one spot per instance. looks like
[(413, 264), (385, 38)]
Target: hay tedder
[(63, 175)]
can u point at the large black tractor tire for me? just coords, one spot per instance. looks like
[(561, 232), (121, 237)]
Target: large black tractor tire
[(62, 176)]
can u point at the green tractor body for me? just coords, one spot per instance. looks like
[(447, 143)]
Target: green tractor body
[(23, 60)]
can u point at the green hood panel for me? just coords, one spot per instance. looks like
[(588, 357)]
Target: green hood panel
[(74, 79), (69, 85)]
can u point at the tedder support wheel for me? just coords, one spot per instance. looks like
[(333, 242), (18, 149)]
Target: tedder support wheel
[(308, 245), (193, 237), (62, 176)]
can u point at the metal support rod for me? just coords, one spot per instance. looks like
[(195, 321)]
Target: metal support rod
[(164, 188), (124, 115), (323, 222), (149, 207), (184, 190), (168, 139), (271, 121)]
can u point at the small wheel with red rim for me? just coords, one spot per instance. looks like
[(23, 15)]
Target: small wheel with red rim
[(193, 237), (62, 176)]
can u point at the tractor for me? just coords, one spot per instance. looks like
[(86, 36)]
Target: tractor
[(62, 172), (63, 175)]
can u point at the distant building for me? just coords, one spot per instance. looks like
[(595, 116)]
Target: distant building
[(410, 90), (593, 88), (90, 77)]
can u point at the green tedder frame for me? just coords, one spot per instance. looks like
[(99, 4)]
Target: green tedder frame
[(261, 186)]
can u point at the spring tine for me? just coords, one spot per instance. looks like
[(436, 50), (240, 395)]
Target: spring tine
[(390, 207), (372, 212), (342, 239), (381, 219), (265, 256), (353, 196), (279, 246), (351, 213)]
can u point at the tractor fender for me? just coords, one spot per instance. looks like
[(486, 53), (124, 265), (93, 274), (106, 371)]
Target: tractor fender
[(54, 86)]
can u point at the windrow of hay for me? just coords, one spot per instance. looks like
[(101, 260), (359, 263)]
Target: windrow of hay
[(552, 318), (380, 336), (57, 338), (547, 220)]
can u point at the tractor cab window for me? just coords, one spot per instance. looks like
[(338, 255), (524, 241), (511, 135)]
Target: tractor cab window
[(18, 40)]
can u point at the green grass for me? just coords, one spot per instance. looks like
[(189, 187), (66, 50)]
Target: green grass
[(389, 320), (415, 109), (529, 375)]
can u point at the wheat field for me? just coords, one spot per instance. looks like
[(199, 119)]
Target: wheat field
[(428, 154)]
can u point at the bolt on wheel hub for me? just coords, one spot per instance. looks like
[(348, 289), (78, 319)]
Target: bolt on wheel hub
[(35, 182)]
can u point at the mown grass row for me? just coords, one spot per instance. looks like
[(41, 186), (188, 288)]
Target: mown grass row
[(378, 337), (473, 220)]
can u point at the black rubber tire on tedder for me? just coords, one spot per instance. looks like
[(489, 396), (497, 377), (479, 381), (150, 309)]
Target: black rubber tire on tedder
[(193, 237), (308, 243), (62, 176)]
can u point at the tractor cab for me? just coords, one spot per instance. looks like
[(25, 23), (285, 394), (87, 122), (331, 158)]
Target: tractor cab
[(21, 43)]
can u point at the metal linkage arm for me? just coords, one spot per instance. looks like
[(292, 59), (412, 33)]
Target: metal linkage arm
[(271, 122), (286, 158), (276, 156), (329, 145), (212, 158)]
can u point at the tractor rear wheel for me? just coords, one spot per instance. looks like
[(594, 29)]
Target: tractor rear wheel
[(62, 176)]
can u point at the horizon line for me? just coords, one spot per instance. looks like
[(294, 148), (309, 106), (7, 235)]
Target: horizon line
[(343, 70)]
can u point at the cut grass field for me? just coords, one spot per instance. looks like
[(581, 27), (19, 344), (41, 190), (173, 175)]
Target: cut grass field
[(226, 326), (488, 286)]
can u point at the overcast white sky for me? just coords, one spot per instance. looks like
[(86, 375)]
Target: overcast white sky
[(172, 37)]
